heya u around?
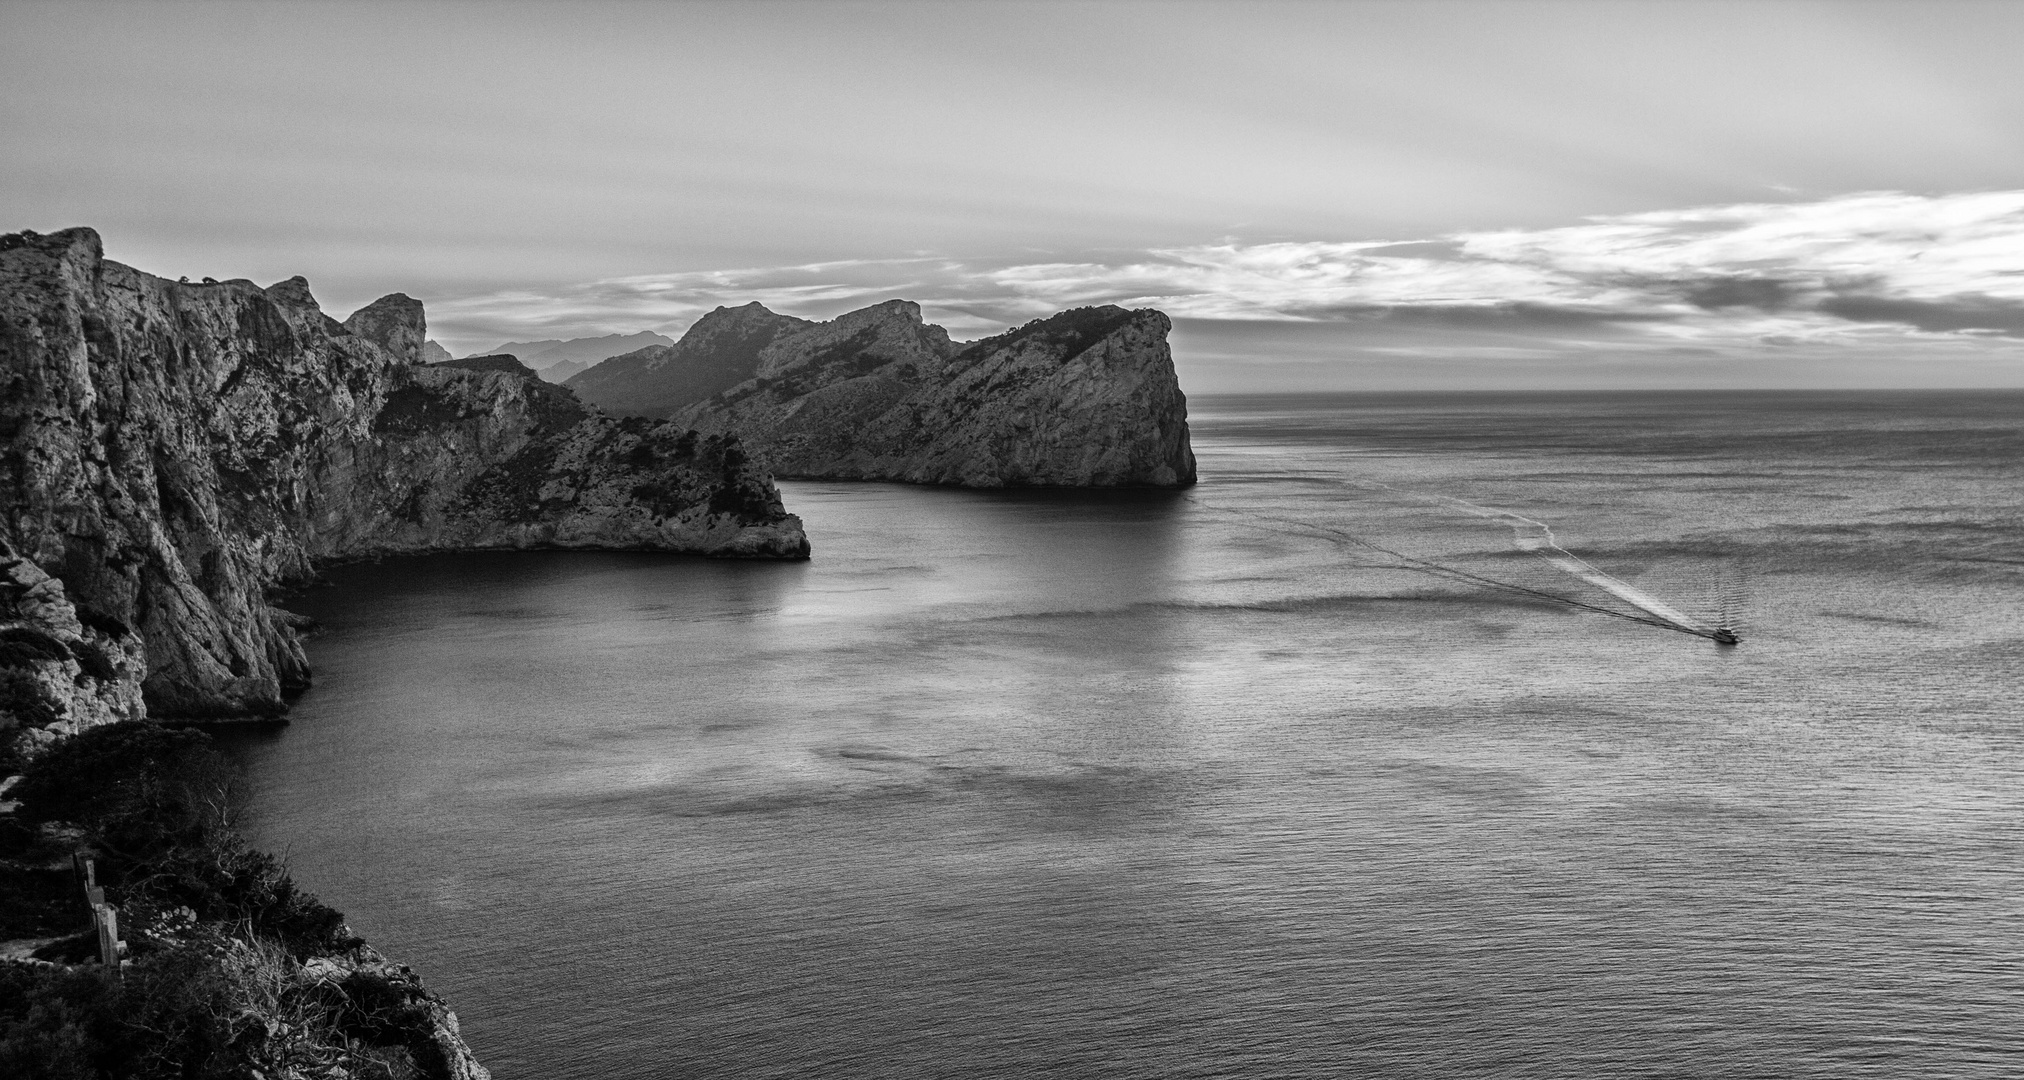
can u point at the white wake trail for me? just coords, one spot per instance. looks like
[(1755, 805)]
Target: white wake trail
[(1537, 538)]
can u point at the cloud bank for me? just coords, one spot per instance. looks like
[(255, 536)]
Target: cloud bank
[(1855, 272)]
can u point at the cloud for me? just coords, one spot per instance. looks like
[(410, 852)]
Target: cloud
[(1971, 312), (1876, 267)]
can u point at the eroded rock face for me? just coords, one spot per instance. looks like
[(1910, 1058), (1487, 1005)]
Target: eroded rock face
[(1086, 398), (60, 674), (393, 322), (173, 452)]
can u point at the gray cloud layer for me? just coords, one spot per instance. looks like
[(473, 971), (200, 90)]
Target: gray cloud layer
[(1852, 275)]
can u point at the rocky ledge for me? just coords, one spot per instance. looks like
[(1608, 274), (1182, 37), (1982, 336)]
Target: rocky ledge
[(1084, 398)]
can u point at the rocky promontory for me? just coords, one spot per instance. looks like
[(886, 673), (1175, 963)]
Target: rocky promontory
[(174, 452), (1084, 398)]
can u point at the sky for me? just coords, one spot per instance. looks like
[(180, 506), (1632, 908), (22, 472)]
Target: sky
[(1325, 196)]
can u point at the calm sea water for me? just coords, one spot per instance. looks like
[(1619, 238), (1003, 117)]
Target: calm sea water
[(1154, 785)]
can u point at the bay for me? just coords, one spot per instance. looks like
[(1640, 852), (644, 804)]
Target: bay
[(1224, 782)]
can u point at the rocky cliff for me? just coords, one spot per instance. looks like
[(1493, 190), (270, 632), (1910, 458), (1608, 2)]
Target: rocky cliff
[(1085, 398), (174, 452)]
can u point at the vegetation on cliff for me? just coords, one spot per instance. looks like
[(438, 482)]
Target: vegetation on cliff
[(232, 971)]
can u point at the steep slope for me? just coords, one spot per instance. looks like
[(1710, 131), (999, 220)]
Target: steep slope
[(173, 452), (1085, 398), (720, 351)]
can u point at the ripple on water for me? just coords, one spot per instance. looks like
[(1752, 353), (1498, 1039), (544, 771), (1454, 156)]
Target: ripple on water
[(1014, 785)]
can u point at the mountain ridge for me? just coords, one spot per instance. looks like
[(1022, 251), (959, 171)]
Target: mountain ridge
[(586, 350)]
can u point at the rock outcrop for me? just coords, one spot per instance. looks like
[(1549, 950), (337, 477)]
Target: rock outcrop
[(60, 674), (173, 452), (1086, 398)]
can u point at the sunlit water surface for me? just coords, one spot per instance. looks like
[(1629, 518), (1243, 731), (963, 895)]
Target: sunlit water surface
[(1153, 785)]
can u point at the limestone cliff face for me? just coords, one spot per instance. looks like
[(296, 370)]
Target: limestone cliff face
[(172, 452), (58, 673), (1086, 398)]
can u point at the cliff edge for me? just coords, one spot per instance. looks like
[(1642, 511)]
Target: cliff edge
[(173, 452), (1084, 398)]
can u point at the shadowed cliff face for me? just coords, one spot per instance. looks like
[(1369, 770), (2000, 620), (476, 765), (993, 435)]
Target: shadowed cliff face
[(172, 452), (1086, 398)]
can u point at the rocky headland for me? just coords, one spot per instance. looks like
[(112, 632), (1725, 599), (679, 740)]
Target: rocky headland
[(1084, 398), (175, 454)]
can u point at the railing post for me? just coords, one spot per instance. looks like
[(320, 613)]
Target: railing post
[(104, 917), (108, 938)]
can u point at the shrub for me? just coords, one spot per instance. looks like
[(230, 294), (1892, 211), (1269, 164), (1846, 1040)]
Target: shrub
[(185, 1013), (94, 661), (136, 787), (235, 885), (218, 995), (23, 698), (51, 1022), (391, 1018), (103, 623), (157, 803), (21, 646)]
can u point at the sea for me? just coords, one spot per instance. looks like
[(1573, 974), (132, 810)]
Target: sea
[(1324, 767)]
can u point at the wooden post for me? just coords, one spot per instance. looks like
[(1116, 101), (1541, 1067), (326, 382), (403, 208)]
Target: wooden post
[(104, 917), (108, 938)]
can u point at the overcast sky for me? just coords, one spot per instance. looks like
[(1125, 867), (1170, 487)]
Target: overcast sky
[(1326, 196)]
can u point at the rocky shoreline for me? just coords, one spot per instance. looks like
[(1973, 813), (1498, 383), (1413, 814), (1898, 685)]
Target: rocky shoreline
[(174, 456)]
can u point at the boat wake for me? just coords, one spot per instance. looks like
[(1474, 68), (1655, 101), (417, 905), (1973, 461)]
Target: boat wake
[(1536, 537)]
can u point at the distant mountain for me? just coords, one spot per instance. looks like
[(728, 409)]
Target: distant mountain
[(433, 353), (719, 352), (545, 354), (560, 373)]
